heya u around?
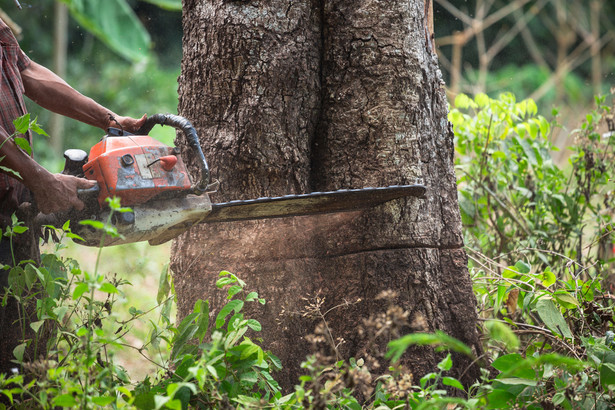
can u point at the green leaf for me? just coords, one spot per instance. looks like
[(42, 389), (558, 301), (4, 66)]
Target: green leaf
[(247, 401), (559, 398), (220, 283), (502, 333), (499, 298), (481, 99), (103, 401), (160, 401), (203, 320), (523, 267), (212, 371), (19, 351), (446, 363), (254, 325), (462, 101), (80, 289), (173, 5), (23, 144), (607, 374), (275, 361), (115, 24), (550, 314), (10, 171), (566, 299), (233, 290), (108, 288), (22, 124), (164, 286), (233, 305), (500, 399), (186, 330), (134, 311), (248, 378), (548, 278), (449, 381), (249, 350), (94, 224), (429, 376), (439, 338), (509, 364), (498, 155), (65, 400), (528, 151), (31, 275), (36, 325), (20, 229), (36, 128), (17, 280), (517, 381), (60, 312), (545, 127)]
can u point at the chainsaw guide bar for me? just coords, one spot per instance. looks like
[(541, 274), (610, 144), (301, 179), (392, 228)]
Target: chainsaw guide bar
[(343, 200)]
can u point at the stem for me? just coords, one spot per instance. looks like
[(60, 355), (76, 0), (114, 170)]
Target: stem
[(88, 341)]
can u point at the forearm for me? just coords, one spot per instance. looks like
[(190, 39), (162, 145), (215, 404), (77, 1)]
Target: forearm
[(51, 92)]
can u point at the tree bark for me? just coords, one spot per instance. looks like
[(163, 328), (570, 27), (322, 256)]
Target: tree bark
[(297, 96)]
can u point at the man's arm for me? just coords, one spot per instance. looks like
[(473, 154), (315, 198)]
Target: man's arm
[(49, 91), (53, 192)]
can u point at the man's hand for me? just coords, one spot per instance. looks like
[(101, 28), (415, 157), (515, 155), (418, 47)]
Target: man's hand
[(126, 123), (53, 192), (59, 193)]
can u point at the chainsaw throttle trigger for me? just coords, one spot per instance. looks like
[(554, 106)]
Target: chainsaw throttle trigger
[(168, 162)]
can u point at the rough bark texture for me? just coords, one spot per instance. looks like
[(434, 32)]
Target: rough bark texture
[(291, 96)]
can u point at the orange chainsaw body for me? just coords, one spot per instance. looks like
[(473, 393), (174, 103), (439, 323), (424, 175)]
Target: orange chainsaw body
[(135, 168)]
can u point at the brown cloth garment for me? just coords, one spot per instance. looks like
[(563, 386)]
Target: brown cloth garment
[(12, 192), (12, 105)]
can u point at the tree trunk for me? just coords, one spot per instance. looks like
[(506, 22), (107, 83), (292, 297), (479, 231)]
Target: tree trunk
[(297, 96)]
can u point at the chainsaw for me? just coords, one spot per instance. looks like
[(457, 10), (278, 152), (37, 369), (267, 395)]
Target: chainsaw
[(152, 180)]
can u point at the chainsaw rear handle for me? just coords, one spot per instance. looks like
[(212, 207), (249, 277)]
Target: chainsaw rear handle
[(88, 193), (183, 124)]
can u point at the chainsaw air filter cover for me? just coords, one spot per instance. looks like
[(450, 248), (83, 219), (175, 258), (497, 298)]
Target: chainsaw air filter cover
[(135, 168)]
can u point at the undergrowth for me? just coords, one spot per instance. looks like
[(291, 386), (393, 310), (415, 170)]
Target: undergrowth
[(540, 250)]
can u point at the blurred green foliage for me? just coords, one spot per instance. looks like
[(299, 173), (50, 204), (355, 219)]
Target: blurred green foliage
[(557, 52)]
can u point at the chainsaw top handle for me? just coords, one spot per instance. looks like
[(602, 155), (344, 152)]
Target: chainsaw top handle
[(183, 124)]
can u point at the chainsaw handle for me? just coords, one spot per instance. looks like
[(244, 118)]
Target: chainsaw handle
[(88, 196), (183, 124), (88, 193)]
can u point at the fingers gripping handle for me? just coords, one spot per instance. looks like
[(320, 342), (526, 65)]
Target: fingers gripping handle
[(183, 124)]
